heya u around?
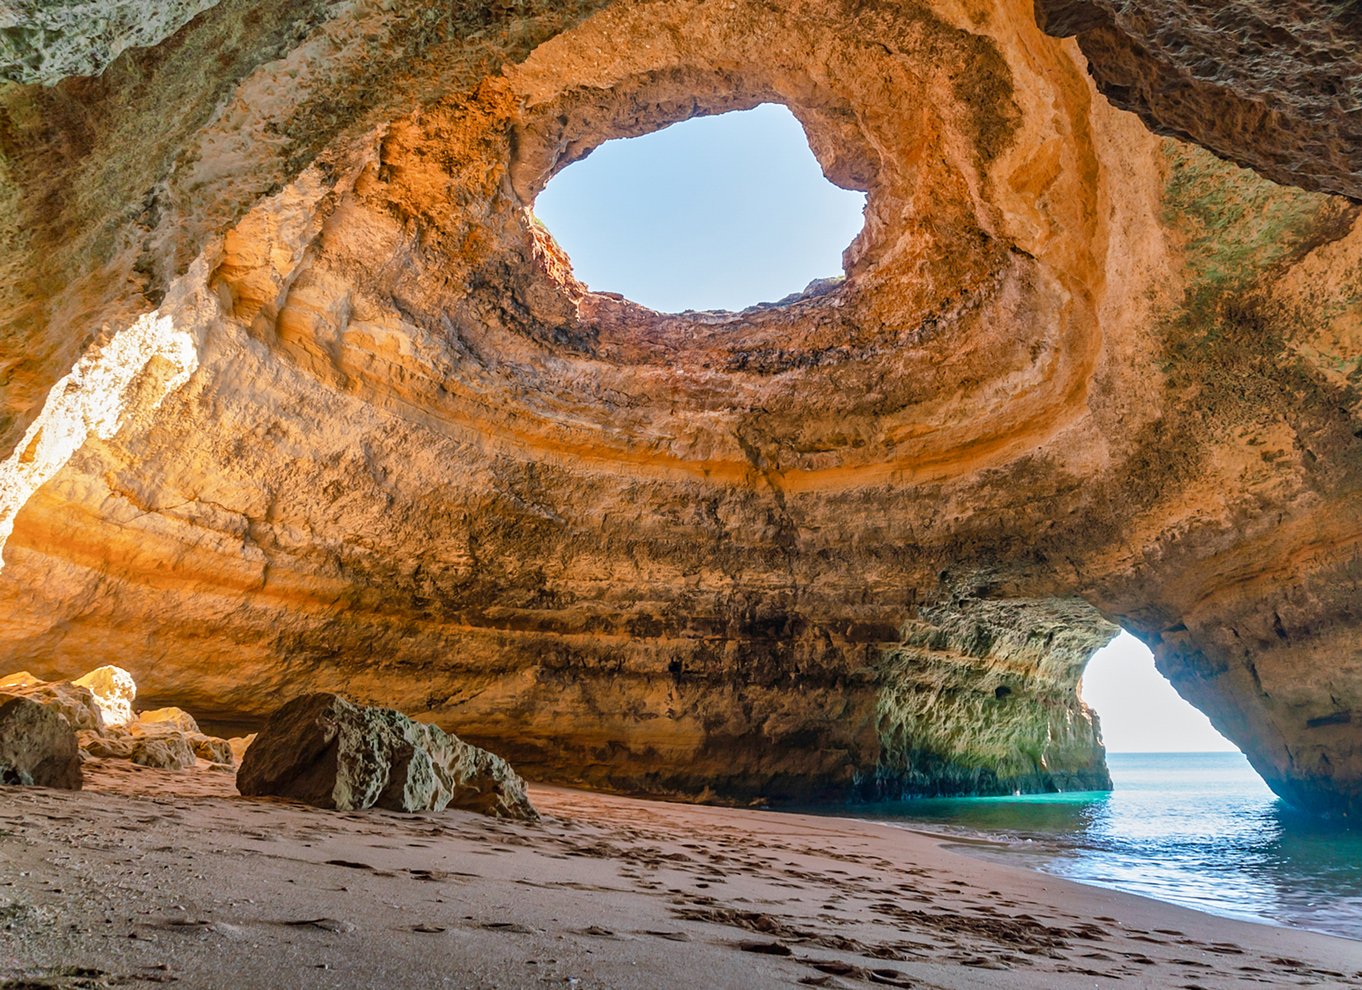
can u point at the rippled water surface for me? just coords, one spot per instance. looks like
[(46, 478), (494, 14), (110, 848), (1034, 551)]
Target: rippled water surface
[(1196, 829)]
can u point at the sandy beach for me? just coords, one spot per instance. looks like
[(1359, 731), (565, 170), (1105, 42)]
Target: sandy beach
[(152, 877)]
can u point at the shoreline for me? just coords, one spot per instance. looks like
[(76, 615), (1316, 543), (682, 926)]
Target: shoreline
[(1197, 830), (155, 877), (1007, 858)]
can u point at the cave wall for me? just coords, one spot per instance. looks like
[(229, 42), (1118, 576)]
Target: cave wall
[(1273, 86), (333, 412)]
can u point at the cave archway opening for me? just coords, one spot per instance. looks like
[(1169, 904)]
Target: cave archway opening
[(721, 212), (1189, 820), (1140, 710)]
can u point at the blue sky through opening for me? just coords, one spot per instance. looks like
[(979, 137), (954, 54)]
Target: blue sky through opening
[(1140, 711), (711, 213)]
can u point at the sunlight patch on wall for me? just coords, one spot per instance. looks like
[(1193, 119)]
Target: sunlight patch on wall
[(132, 373)]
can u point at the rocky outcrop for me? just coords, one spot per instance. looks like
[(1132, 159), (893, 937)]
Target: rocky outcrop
[(165, 736), (75, 703), (98, 707), (978, 698), (113, 691), (37, 746), (1274, 86), (295, 395), (322, 750), (167, 751)]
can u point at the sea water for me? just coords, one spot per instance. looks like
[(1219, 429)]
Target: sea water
[(1197, 829)]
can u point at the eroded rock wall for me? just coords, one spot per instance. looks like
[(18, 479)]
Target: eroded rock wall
[(45, 41), (979, 699), (1274, 86), (1076, 374)]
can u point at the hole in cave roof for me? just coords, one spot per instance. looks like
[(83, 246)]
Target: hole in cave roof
[(713, 213)]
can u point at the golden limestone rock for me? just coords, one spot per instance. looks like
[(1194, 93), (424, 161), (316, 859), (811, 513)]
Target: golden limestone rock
[(296, 396), (98, 708)]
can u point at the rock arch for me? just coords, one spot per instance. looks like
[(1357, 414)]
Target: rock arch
[(1072, 362)]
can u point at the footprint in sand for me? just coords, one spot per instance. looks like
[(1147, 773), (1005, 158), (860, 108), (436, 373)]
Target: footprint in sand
[(322, 924), (766, 948)]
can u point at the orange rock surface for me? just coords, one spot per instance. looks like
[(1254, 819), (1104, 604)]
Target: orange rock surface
[(336, 416)]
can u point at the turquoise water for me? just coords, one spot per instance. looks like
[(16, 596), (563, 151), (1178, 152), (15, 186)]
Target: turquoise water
[(1197, 829)]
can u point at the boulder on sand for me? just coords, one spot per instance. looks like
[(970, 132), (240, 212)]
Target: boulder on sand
[(171, 751), (37, 746), (329, 752)]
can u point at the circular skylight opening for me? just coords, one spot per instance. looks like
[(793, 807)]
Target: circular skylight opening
[(713, 213)]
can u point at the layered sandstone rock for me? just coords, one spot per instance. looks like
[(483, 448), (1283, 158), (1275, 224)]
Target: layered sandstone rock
[(325, 751), (296, 396)]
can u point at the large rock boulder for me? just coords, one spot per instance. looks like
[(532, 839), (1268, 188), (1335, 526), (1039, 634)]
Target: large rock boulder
[(326, 751), (37, 746), (75, 703), (171, 751)]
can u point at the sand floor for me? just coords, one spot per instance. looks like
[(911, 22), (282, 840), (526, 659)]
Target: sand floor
[(155, 877)]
